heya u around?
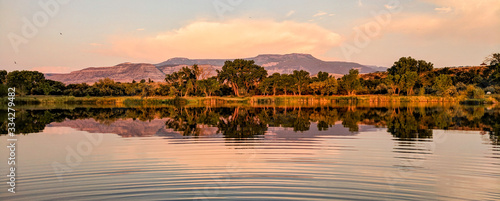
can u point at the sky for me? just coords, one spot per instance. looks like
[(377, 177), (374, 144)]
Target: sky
[(60, 36)]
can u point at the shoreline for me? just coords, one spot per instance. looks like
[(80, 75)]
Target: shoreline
[(251, 100)]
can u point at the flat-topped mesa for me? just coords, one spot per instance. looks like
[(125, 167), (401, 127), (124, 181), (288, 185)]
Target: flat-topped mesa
[(292, 55), (124, 72), (177, 60)]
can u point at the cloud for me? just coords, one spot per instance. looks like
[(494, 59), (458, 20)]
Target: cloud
[(140, 29), (290, 13), (321, 13), (95, 44), (470, 20), (389, 7), (230, 39), (443, 9), (360, 3)]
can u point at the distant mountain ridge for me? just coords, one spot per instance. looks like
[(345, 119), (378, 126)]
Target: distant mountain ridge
[(273, 63), (282, 63)]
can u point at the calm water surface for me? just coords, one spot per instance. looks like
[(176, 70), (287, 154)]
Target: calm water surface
[(343, 153)]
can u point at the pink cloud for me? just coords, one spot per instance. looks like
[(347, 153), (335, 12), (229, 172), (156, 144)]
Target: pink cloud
[(443, 9), (475, 21), (321, 13), (230, 39)]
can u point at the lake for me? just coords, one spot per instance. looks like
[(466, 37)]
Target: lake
[(391, 152)]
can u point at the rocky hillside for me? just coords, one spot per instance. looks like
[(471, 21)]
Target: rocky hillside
[(126, 72)]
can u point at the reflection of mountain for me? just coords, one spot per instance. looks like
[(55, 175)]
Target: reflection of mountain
[(313, 132), (156, 127), (124, 128)]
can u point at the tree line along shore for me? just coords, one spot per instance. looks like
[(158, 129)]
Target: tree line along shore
[(408, 80)]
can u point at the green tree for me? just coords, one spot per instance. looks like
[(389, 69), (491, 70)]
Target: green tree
[(241, 75), (424, 66), (322, 76), (381, 89), (106, 87), (331, 86), (405, 64), (326, 87), (46, 88), (209, 86), (393, 82), (50, 87), (442, 83), (403, 75), (277, 82), (173, 91), (493, 59), (494, 77), (317, 87), (474, 92), (3, 76), (131, 89), (301, 79), (147, 90), (26, 82), (3, 90), (265, 86), (350, 82), (286, 82), (410, 78), (189, 87), (77, 90), (184, 80)]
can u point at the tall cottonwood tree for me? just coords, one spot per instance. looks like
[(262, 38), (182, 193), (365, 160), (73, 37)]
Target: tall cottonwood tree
[(26, 82), (184, 80), (404, 74), (442, 83), (325, 87), (241, 75), (350, 82), (208, 86), (271, 84), (301, 79)]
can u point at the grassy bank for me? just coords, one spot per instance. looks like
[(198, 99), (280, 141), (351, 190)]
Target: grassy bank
[(253, 100)]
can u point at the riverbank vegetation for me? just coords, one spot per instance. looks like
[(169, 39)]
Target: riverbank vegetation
[(408, 79)]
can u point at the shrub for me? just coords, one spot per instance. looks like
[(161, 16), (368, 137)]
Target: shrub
[(473, 92), (493, 89), (451, 91), (460, 86)]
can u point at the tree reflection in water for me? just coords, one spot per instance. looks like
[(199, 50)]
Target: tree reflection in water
[(404, 123)]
